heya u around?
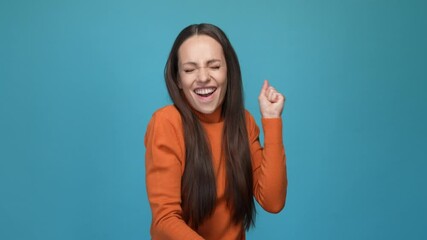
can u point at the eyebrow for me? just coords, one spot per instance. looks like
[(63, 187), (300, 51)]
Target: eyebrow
[(209, 62)]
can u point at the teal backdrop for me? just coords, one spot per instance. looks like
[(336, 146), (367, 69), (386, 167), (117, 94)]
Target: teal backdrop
[(79, 81)]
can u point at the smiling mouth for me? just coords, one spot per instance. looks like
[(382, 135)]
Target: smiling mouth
[(205, 92)]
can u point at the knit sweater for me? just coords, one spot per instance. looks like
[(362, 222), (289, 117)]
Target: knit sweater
[(165, 164)]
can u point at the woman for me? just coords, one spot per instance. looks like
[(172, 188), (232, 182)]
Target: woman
[(204, 162)]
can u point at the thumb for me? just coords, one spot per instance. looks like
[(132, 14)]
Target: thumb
[(264, 88)]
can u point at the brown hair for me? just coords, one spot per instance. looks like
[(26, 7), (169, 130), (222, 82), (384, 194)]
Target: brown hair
[(198, 186)]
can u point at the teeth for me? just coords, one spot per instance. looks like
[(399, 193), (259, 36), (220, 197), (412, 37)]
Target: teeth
[(204, 91)]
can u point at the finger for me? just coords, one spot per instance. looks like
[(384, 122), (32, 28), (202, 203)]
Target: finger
[(275, 97), (280, 98), (271, 93)]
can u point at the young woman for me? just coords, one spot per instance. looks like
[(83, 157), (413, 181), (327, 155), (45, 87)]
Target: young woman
[(204, 161)]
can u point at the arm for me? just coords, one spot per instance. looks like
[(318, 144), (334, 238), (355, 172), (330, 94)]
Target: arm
[(164, 156), (269, 163)]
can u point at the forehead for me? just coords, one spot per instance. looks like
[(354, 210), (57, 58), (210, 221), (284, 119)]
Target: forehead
[(200, 48)]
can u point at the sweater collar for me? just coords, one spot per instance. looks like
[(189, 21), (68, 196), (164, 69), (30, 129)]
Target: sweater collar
[(214, 117)]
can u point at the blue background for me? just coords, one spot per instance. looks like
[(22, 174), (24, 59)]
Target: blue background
[(79, 81)]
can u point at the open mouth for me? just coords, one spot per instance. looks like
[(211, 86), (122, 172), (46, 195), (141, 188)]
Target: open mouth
[(205, 92)]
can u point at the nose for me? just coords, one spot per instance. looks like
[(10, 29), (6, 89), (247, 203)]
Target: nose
[(203, 75)]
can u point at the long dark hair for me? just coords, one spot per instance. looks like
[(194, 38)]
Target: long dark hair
[(198, 186)]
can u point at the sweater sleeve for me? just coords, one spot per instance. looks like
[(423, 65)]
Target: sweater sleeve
[(269, 164), (163, 166)]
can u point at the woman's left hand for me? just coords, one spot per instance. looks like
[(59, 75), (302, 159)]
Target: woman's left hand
[(271, 102)]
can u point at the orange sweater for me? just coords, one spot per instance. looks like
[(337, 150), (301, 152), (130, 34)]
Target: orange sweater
[(165, 163)]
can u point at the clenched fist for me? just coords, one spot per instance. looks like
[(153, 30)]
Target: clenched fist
[(271, 102)]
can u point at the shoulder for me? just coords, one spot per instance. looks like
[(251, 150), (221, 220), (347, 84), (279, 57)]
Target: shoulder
[(164, 135), (165, 117), (167, 114)]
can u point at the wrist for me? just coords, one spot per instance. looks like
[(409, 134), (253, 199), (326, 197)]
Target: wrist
[(270, 115)]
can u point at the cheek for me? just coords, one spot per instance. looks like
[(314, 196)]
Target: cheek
[(187, 90), (223, 89), (221, 77), (184, 82), (186, 93), (223, 80)]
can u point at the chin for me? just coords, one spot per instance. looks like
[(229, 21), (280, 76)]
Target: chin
[(205, 110)]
